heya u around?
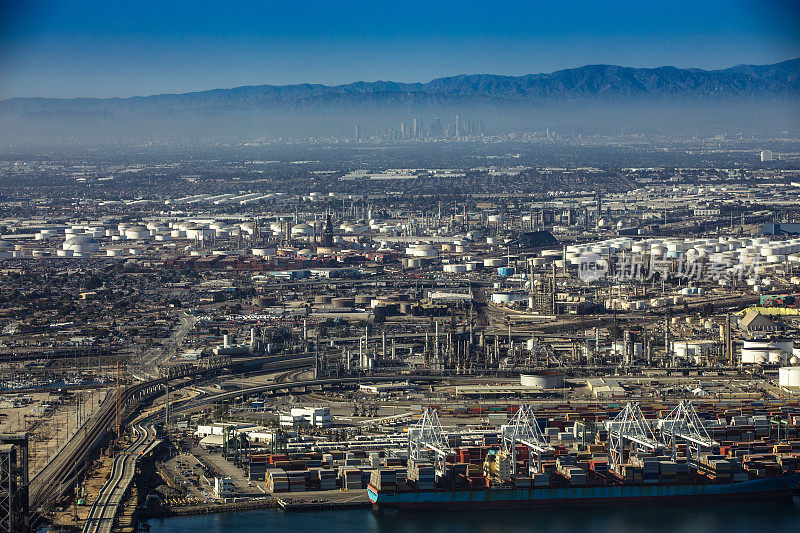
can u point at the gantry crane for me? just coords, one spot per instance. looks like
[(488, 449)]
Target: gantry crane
[(629, 426), (683, 424), (427, 435), (524, 430)]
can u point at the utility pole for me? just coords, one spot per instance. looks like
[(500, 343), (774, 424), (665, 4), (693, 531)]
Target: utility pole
[(166, 405), (729, 339), (667, 342), (119, 405), (645, 343)]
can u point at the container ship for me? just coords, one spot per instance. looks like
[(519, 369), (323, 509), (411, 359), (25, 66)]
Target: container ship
[(631, 460), (510, 497)]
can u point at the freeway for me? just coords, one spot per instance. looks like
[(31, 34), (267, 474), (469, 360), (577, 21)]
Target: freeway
[(104, 510), (56, 477), (275, 387)]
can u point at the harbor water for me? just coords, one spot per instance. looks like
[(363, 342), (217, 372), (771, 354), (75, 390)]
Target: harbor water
[(739, 517)]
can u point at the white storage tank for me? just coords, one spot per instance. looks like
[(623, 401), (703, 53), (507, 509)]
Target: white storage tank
[(789, 376), (506, 297), (758, 352), (544, 380), (777, 357), (136, 233), (302, 230), (263, 252), (422, 250), (412, 262), (82, 244), (454, 269)]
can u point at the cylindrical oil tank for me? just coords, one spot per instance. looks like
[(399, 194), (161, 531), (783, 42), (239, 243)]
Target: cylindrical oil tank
[(412, 262), (544, 380), (789, 376), (263, 252), (756, 352), (263, 301), (503, 298), (343, 302), (364, 299), (777, 357), (454, 268), (323, 299)]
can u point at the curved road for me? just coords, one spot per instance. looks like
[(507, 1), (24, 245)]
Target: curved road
[(273, 387), (104, 510)]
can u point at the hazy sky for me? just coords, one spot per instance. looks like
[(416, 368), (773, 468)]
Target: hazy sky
[(129, 47)]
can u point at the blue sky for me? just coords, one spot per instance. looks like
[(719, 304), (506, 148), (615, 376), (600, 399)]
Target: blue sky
[(93, 48)]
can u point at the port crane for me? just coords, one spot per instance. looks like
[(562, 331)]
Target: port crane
[(427, 435), (683, 424), (629, 426), (524, 430)]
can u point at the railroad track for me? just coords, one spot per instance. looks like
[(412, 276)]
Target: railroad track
[(104, 510), (55, 478), (50, 483)]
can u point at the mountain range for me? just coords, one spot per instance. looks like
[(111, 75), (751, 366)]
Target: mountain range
[(589, 99)]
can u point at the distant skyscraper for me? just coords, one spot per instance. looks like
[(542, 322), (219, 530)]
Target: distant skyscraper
[(766, 155), (358, 133), (414, 129), (458, 125), (436, 127)]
